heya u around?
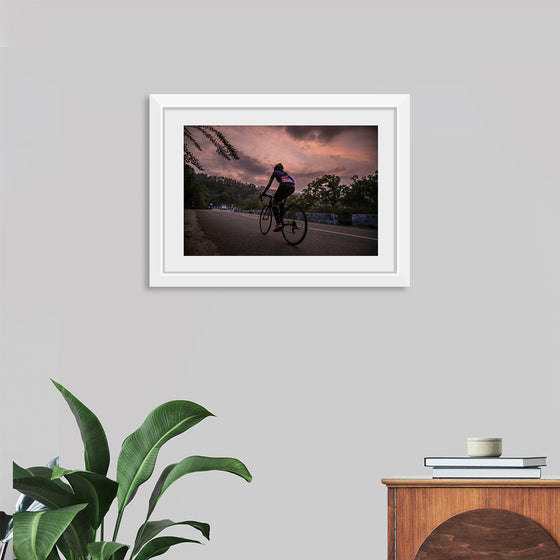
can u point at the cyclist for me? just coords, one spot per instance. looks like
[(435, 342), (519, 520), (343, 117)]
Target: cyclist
[(286, 187)]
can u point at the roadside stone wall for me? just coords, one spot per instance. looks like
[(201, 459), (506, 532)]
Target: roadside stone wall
[(364, 220), (322, 217)]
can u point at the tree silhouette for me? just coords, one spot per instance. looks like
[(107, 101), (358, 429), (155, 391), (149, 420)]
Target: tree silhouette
[(223, 147), (325, 190), (327, 194)]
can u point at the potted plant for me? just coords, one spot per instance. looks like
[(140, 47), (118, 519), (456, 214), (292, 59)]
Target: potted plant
[(78, 501)]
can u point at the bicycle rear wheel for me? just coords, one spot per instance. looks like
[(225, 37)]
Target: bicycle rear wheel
[(295, 224), (265, 220)]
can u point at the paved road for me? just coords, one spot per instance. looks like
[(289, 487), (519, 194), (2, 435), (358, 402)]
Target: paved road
[(234, 233)]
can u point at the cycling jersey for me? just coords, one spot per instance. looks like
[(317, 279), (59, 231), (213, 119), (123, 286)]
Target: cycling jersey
[(282, 177)]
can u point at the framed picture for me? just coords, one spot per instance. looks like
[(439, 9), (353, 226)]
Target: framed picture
[(279, 190)]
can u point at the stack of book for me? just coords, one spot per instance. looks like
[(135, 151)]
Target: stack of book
[(485, 467)]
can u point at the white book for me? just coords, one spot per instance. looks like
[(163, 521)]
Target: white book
[(527, 472), (468, 462)]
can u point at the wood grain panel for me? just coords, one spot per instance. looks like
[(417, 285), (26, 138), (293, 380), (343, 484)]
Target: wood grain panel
[(391, 524), (420, 510), (485, 534)]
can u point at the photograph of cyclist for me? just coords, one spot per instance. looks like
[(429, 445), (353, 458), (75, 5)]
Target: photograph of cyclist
[(315, 186), (286, 187)]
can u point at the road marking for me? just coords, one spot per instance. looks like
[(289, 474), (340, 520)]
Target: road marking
[(316, 229), (347, 234)]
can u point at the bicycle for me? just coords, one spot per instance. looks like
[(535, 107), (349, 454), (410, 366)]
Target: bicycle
[(292, 216)]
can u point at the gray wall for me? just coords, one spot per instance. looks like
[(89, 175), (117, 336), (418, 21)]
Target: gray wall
[(371, 380)]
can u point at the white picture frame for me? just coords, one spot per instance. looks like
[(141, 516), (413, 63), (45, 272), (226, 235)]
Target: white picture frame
[(169, 113)]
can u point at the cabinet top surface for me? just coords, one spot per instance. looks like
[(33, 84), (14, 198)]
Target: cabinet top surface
[(471, 482)]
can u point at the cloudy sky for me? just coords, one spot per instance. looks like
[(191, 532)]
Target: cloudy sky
[(307, 152)]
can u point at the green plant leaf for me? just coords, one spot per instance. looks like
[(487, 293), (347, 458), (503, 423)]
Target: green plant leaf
[(40, 472), (148, 531), (5, 524), (68, 553), (173, 472), (96, 448), (19, 471), (36, 533), (53, 555), (160, 545), (106, 550), (140, 449), (25, 503), (64, 549), (95, 489), (55, 494)]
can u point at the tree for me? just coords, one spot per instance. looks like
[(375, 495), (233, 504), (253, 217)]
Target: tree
[(223, 147), (323, 191), (327, 194), (225, 190), (195, 194), (361, 195)]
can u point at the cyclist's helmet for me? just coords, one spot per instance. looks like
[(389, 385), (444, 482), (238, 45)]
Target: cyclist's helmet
[(278, 166)]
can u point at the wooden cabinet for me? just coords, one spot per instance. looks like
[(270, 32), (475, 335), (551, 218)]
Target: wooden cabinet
[(473, 519)]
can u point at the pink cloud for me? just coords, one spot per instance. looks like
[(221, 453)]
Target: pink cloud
[(306, 152)]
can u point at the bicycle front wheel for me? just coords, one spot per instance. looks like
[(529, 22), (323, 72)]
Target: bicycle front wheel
[(295, 224), (265, 220)]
